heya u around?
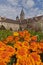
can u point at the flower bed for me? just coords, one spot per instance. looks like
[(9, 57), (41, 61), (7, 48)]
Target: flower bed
[(21, 48)]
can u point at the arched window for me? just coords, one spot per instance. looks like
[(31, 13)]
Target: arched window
[(2, 27)]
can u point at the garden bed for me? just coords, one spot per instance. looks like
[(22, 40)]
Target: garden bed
[(21, 48)]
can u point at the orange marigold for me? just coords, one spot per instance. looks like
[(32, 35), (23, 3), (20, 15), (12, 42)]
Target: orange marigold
[(4, 55), (35, 56), (2, 63), (21, 52), (16, 39), (27, 38), (9, 38), (21, 34), (33, 46), (10, 50), (2, 46), (18, 45), (26, 45), (34, 38)]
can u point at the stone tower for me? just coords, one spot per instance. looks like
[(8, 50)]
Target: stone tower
[(22, 15)]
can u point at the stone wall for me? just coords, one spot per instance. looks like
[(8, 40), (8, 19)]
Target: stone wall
[(10, 26), (35, 23)]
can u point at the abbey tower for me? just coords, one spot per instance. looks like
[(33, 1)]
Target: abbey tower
[(22, 15)]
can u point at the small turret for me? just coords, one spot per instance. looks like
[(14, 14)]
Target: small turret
[(17, 18)]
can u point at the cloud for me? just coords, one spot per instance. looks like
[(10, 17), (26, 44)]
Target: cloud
[(24, 3), (28, 3), (13, 2), (33, 12), (13, 8), (9, 12)]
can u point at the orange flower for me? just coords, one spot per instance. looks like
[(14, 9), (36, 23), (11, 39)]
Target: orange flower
[(2, 46), (2, 63), (21, 49), (4, 56), (40, 46), (30, 60), (28, 34), (18, 45), (22, 34), (25, 31), (5, 41), (26, 45), (21, 62), (9, 38), (10, 50), (16, 38), (35, 56), (33, 46), (34, 38), (24, 61), (27, 38), (41, 63), (21, 52)]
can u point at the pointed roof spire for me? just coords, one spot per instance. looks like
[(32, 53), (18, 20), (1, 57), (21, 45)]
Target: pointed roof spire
[(22, 12)]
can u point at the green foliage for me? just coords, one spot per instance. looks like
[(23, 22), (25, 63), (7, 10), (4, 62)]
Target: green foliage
[(10, 44), (4, 34), (38, 34), (12, 60)]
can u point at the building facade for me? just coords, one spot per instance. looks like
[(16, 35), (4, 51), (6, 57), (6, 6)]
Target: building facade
[(35, 23)]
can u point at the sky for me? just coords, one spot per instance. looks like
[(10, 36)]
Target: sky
[(12, 8)]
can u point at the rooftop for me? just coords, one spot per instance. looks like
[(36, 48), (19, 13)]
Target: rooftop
[(34, 19)]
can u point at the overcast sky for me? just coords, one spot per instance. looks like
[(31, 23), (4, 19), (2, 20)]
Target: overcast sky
[(12, 8)]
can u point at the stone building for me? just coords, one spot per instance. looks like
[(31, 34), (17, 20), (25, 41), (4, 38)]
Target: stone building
[(35, 23), (9, 24)]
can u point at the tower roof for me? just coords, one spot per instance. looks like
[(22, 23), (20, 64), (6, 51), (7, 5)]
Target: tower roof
[(22, 12)]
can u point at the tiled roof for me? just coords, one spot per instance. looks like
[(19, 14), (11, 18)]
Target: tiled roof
[(34, 19)]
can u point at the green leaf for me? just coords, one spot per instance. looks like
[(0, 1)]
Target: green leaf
[(12, 60)]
